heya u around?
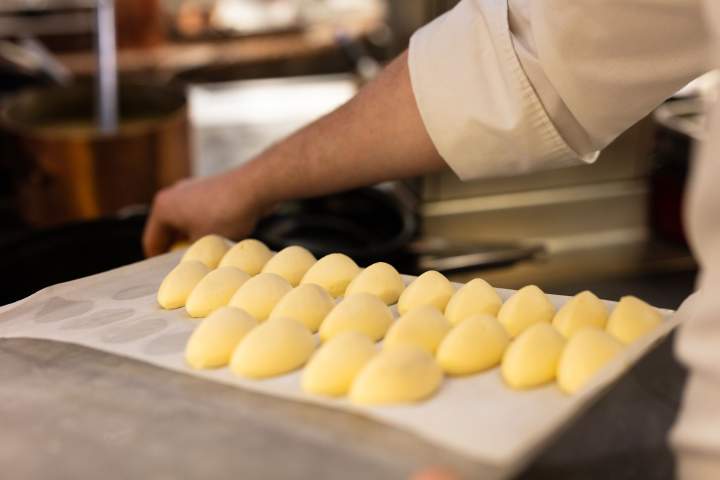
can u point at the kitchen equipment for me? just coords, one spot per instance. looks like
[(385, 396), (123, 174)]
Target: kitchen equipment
[(478, 416), (63, 169), (63, 253)]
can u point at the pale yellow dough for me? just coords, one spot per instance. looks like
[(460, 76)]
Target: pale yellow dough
[(430, 288), (177, 285), (476, 297), (380, 279), (525, 308), (584, 355), (309, 304), (423, 326), (248, 255), (335, 365), (475, 344), (272, 348), (259, 295), (214, 291), (333, 272), (632, 318), (582, 311), (212, 343), (398, 375), (362, 312), (532, 358), (291, 263), (208, 250)]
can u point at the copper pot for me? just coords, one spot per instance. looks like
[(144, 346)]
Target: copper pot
[(64, 169)]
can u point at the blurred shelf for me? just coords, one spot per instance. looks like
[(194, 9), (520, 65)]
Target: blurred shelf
[(168, 59)]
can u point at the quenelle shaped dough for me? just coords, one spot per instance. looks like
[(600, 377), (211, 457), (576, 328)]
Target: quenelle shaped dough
[(475, 344), (582, 311), (397, 375), (430, 288), (584, 355), (259, 295), (380, 279), (477, 297), (272, 348), (309, 304), (525, 308), (532, 358), (362, 312), (214, 291), (291, 263), (248, 255), (212, 343), (333, 272), (631, 319), (335, 365), (208, 250), (177, 285), (424, 327)]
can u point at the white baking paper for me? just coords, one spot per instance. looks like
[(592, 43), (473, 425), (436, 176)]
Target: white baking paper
[(478, 416)]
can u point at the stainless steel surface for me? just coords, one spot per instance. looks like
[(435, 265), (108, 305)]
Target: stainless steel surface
[(107, 75), (74, 413)]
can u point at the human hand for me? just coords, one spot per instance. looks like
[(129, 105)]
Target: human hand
[(225, 204)]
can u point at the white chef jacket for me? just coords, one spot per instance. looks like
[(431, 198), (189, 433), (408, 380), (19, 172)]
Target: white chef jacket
[(510, 86)]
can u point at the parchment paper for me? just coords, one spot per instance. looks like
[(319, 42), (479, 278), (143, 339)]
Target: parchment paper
[(478, 416)]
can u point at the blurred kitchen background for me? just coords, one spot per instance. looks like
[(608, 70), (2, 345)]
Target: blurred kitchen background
[(206, 84)]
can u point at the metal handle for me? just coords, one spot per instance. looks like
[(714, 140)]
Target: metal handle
[(107, 101), (467, 256)]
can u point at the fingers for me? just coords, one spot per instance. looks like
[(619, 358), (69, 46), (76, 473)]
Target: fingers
[(158, 234)]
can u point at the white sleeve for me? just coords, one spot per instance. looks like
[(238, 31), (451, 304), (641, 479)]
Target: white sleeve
[(508, 87)]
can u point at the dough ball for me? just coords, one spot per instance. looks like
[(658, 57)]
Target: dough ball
[(362, 312), (475, 344), (397, 375), (380, 279), (582, 311), (214, 291), (177, 285), (631, 319), (525, 308), (309, 304), (248, 255), (584, 355), (291, 263), (333, 272), (272, 348), (208, 250), (212, 343), (335, 365), (532, 358), (423, 326), (477, 297), (259, 295), (430, 288)]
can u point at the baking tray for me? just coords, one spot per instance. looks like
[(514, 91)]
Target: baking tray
[(477, 416)]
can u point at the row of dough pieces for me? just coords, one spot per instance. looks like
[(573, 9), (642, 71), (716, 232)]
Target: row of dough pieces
[(475, 333)]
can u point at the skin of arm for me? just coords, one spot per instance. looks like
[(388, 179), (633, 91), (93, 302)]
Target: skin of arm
[(377, 136)]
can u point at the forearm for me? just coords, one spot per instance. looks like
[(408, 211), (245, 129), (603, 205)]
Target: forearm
[(377, 136)]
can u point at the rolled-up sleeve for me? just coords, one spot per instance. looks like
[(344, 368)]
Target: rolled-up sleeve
[(549, 89), (477, 104)]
